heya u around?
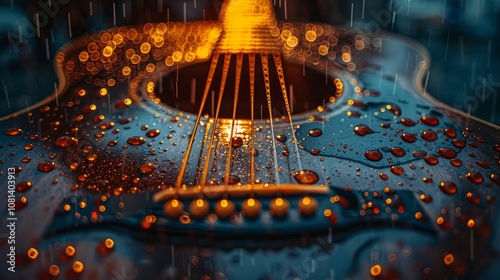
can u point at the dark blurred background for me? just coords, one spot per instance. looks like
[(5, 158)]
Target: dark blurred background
[(462, 37)]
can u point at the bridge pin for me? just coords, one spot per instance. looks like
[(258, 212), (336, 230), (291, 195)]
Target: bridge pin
[(224, 208), (173, 208), (199, 208), (308, 205), (251, 207), (279, 206)]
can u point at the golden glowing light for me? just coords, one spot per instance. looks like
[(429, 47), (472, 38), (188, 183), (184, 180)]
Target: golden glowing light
[(251, 202), (448, 259), (32, 253), (54, 270), (471, 223), (200, 203), (279, 202), (78, 266), (109, 243), (376, 270)]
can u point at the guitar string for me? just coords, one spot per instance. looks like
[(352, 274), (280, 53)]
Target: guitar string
[(265, 69), (239, 62), (225, 70), (213, 66), (251, 63), (281, 76)]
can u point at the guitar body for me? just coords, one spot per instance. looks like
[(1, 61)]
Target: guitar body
[(126, 173)]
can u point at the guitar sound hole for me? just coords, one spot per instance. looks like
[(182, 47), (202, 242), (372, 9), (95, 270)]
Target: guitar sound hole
[(306, 90)]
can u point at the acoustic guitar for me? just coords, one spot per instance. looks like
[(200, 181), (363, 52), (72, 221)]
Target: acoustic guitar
[(247, 148)]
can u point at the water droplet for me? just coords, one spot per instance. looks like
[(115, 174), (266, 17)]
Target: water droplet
[(431, 160), (456, 162), (285, 153), (448, 188), (24, 186), (419, 153), (475, 177), (474, 199), (430, 120), (447, 153), (483, 163), (26, 159), (480, 139), (125, 121), (407, 122), (153, 133), (383, 176), (398, 151), (497, 147), (429, 135), (281, 138), (112, 143), (66, 141), (459, 143), (92, 157), (427, 180), (385, 125), (29, 147), (236, 141), (473, 144), (21, 203), (395, 109), (373, 155), (362, 130), (46, 166), (408, 137), (106, 125), (147, 168), (13, 131), (450, 132), (397, 170), (315, 152), (306, 177), (315, 132), (136, 141), (231, 180)]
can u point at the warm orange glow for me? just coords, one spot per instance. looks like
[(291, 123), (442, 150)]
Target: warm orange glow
[(32, 253), (251, 202), (70, 251), (279, 202), (200, 203), (376, 270), (449, 259)]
